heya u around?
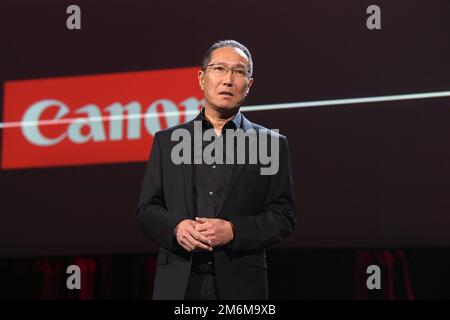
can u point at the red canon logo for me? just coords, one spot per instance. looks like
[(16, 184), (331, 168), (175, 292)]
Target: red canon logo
[(94, 119), (160, 114)]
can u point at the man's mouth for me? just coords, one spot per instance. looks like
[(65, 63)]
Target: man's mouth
[(225, 93)]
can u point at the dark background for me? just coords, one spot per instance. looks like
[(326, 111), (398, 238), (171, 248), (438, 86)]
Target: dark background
[(367, 176)]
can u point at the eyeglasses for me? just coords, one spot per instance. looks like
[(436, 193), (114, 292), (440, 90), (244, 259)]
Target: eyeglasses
[(221, 70)]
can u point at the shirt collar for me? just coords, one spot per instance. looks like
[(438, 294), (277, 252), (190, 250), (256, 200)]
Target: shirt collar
[(234, 123)]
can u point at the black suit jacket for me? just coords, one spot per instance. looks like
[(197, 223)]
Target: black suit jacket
[(261, 208)]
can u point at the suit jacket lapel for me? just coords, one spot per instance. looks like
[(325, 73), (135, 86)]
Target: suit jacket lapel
[(187, 178)]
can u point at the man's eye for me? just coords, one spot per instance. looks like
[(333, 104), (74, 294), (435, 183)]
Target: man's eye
[(219, 68), (241, 72)]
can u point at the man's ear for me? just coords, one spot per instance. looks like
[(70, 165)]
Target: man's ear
[(200, 78), (250, 82)]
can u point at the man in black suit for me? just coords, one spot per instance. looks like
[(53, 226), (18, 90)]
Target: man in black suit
[(214, 220)]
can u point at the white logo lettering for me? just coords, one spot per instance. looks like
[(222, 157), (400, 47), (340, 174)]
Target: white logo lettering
[(32, 115), (91, 127)]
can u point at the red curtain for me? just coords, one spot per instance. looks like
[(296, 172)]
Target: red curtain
[(395, 275)]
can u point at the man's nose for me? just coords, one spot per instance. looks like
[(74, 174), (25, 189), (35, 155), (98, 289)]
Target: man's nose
[(227, 79)]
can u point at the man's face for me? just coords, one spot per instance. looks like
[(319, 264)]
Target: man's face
[(225, 90)]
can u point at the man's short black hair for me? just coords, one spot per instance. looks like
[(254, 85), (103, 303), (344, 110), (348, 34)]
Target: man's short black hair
[(228, 43)]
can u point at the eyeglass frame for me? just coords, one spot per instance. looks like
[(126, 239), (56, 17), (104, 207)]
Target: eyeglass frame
[(228, 69)]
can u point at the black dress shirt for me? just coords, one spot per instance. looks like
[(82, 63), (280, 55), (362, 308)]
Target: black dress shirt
[(210, 180)]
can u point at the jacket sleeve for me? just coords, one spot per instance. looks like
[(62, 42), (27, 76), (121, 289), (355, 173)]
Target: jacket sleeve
[(277, 220), (153, 217)]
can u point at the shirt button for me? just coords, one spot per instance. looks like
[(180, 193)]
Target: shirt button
[(211, 193), (214, 166)]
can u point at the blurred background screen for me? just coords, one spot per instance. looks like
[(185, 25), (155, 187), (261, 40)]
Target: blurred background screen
[(366, 113)]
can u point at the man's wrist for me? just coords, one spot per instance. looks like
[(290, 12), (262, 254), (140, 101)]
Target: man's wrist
[(232, 230)]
